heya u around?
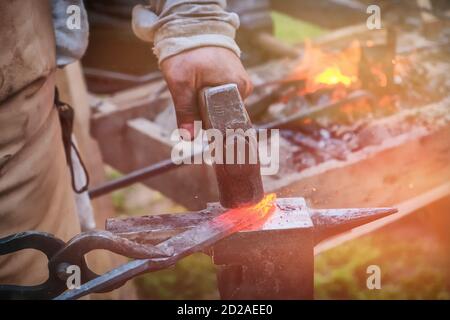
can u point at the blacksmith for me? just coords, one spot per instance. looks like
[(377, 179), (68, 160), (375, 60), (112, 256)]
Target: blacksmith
[(195, 47)]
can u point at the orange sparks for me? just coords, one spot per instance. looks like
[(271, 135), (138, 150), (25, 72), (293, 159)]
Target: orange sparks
[(265, 206), (255, 214), (264, 209)]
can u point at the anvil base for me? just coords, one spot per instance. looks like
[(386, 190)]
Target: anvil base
[(275, 262)]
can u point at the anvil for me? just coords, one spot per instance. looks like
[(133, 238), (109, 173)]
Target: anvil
[(272, 261)]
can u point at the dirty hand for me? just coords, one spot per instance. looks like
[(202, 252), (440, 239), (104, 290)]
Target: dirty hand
[(189, 71)]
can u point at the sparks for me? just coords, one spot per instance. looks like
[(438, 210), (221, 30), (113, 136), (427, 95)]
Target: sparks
[(265, 206), (255, 214)]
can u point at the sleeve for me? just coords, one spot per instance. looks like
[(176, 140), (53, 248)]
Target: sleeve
[(179, 25)]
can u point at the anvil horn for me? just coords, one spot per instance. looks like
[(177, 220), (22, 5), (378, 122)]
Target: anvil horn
[(330, 222)]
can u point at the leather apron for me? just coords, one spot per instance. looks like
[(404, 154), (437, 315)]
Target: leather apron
[(35, 188)]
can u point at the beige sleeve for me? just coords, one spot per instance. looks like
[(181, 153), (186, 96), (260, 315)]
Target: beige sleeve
[(178, 25)]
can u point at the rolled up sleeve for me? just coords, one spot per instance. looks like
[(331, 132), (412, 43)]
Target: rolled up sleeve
[(179, 25)]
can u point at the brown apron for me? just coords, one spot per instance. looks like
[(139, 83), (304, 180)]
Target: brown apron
[(35, 189)]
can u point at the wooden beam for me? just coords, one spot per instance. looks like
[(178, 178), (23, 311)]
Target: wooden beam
[(404, 208), (398, 169)]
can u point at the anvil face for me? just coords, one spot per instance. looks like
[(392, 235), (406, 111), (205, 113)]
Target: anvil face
[(291, 218), (290, 213)]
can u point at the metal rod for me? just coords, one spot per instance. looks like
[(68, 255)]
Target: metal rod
[(133, 177)]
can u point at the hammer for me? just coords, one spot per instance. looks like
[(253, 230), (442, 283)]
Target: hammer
[(237, 165)]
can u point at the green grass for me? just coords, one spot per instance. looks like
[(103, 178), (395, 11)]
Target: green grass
[(407, 269), (193, 277), (293, 31)]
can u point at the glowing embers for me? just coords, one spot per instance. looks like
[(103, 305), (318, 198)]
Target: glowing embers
[(321, 70), (333, 76)]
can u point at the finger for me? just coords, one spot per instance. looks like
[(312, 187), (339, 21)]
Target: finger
[(230, 72), (185, 102), (249, 88), (245, 87)]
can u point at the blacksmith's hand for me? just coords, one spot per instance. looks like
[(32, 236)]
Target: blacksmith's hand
[(189, 71)]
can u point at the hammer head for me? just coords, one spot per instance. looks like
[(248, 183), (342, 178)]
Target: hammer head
[(238, 174)]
